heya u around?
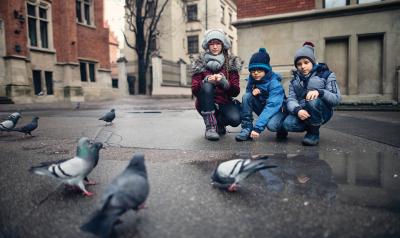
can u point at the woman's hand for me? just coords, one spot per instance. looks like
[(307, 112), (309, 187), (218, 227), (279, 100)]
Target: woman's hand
[(303, 114), (311, 95)]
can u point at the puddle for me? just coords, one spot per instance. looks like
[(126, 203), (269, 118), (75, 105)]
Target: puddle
[(359, 178)]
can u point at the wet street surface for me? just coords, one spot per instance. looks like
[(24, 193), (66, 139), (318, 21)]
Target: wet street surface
[(348, 186)]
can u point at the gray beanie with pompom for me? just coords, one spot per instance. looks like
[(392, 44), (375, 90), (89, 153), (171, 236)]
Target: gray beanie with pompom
[(218, 35), (307, 51)]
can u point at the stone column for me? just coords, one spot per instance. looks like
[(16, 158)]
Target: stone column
[(157, 73), (123, 76)]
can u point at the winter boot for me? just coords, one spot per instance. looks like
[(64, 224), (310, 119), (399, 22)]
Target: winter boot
[(243, 135), (211, 125), (312, 136)]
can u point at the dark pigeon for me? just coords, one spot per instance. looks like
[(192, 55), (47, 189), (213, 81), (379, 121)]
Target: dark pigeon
[(108, 117), (28, 128), (73, 171), (227, 175), (10, 122), (127, 191)]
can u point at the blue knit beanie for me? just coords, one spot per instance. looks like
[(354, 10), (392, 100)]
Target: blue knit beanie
[(260, 60)]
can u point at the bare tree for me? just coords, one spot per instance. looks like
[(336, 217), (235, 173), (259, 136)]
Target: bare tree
[(142, 17)]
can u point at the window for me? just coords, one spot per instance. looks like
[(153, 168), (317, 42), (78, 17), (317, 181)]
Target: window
[(153, 44), (150, 8), (88, 71), (48, 76), (38, 24), (191, 12), (335, 3), (193, 44), (84, 11), (114, 83), (223, 15), (37, 81)]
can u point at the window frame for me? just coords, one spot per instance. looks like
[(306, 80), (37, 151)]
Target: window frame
[(194, 9), (192, 47), (84, 11), (39, 28), (87, 71)]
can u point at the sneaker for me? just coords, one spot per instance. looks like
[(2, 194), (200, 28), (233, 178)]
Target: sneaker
[(281, 135), (211, 134), (244, 135), (310, 139)]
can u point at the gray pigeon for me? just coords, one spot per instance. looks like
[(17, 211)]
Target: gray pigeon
[(73, 171), (28, 128), (77, 106), (128, 190), (108, 117), (228, 174), (10, 122)]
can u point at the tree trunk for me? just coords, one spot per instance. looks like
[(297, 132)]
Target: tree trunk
[(142, 75)]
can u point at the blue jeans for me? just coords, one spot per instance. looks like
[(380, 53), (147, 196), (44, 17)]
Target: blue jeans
[(319, 112), (251, 104)]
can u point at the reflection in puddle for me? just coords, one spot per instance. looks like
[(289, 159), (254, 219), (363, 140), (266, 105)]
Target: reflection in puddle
[(363, 179)]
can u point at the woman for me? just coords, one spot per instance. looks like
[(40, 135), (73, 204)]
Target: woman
[(215, 81)]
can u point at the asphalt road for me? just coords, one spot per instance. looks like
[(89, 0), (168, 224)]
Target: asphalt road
[(348, 186)]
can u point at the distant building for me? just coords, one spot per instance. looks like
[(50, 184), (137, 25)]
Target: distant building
[(358, 39), (181, 31), (53, 51)]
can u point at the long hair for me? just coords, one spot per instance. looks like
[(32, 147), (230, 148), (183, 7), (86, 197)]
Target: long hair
[(226, 63)]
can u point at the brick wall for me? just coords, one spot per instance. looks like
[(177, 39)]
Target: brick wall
[(257, 8), (15, 30)]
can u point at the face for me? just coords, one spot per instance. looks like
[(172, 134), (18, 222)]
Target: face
[(257, 74), (304, 66), (215, 47)]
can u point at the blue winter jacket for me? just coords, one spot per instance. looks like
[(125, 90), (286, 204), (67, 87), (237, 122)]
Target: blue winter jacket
[(326, 86), (272, 96)]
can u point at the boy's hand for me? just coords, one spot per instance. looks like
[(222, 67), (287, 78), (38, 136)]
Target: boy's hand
[(303, 114), (311, 95), (254, 134), (256, 91)]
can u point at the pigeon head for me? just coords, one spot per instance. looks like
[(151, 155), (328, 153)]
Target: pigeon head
[(87, 149), (14, 117), (35, 118), (113, 110), (137, 163)]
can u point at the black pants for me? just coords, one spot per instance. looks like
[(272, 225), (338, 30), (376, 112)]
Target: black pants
[(226, 114)]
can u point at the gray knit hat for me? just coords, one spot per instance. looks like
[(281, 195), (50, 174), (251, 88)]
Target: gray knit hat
[(307, 51), (215, 34)]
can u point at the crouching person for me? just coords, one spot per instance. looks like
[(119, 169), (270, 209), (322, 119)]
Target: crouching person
[(265, 97), (313, 92)]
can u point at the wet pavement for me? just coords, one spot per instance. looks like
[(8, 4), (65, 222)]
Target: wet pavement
[(348, 186)]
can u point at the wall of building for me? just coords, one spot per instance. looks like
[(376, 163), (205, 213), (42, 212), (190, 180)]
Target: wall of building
[(361, 51)]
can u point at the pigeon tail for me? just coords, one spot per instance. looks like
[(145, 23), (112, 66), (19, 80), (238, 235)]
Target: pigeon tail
[(102, 221)]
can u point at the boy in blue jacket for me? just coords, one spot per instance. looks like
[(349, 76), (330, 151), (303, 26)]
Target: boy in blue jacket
[(264, 96), (313, 92)]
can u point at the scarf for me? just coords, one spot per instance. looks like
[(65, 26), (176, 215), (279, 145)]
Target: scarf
[(214, 62)]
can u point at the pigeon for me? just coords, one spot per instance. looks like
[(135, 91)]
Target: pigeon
[(28, 128), (109, 116), (128, 190), (227, 175), (73, 171), (10, 122), (77, 106)]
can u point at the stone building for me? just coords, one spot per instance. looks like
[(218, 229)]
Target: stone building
[(180, 34), (358, 39), (52, 51)]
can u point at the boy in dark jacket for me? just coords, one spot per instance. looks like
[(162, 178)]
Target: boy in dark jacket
[(313, 92), (264, 96)]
